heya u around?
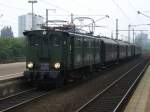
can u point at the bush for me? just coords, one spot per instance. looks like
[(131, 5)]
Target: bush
[(12, 49)]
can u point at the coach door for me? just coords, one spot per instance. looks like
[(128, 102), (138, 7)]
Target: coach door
[(66, 51)]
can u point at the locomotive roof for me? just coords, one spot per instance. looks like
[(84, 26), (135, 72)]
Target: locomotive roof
[(108, 40), (85, 35), (120, 42), (127, 43), (104, 39)]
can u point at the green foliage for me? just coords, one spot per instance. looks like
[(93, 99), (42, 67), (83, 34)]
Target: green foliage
[(12, 49)]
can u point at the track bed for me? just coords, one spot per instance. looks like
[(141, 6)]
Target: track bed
[(69, 99)]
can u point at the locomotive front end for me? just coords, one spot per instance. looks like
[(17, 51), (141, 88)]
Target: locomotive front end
[(44, 56)]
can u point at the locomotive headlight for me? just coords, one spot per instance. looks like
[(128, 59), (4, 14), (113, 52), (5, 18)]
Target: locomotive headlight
[(30, 65), (57, 65)]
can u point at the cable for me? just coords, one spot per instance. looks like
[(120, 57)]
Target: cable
[(76, 15), (46, 2), (146, 11), (121, 9), (132, 5), (13, 7), (135, 9), (143, 14), (17, 8)]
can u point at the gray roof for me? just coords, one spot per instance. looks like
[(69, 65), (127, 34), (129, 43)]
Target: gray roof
[(122, 43), (108, 40)]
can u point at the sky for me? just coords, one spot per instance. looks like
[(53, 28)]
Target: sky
[(124, 10)]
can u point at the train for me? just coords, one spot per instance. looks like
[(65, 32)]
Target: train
[(56, 55)]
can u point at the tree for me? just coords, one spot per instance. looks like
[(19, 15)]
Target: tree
[(7, 32), (12, 49)]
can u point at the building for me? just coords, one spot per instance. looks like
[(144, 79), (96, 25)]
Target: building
[(143, 41), (25, 23)]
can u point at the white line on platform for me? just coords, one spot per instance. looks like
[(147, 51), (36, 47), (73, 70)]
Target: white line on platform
[(11, 75)]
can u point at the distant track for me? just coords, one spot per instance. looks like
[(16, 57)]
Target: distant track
[(112, 98), (15, 94), (21, 98)]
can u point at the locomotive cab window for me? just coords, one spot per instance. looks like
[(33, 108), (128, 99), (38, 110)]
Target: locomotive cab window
[(56, 41), (34, 41)]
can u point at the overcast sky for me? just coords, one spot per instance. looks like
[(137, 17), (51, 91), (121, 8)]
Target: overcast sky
[(124, 10)]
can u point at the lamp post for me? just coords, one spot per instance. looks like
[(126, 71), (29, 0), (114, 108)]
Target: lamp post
[(32, 2), (133, 36), (54, 10), (129, 33), (117, 32)]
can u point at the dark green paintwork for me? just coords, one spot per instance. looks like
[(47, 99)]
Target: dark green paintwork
[(72, 51)]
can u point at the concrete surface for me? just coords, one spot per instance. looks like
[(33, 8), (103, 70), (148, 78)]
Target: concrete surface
[(11, 70), (140, 101)]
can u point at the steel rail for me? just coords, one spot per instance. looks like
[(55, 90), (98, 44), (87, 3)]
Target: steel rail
[(107, 88), (25, 100), (42, 94), (131, 88), (21, 92)]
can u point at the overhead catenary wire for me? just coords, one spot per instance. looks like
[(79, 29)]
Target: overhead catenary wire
[(132, 6), (76, 15), (135, 10), (56, 6), (146, 11), (17, 8), (26, 10), (122, 11), (143, 14)]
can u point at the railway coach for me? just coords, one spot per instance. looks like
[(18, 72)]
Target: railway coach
[(109, 50)]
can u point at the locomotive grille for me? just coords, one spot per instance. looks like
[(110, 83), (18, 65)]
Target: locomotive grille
[(44, 66)]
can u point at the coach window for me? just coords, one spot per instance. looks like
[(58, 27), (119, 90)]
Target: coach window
[(77, 43), (110, 47), (97, 44), (92, 43), (56, 41), (89, 44), (85, 43), (80, 43)]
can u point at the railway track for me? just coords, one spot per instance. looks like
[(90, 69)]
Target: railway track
[(15, 94), (15, 101), (113, 97), (19, 99)]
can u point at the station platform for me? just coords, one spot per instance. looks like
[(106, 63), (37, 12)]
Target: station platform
[(140, 100), (12, 70)]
